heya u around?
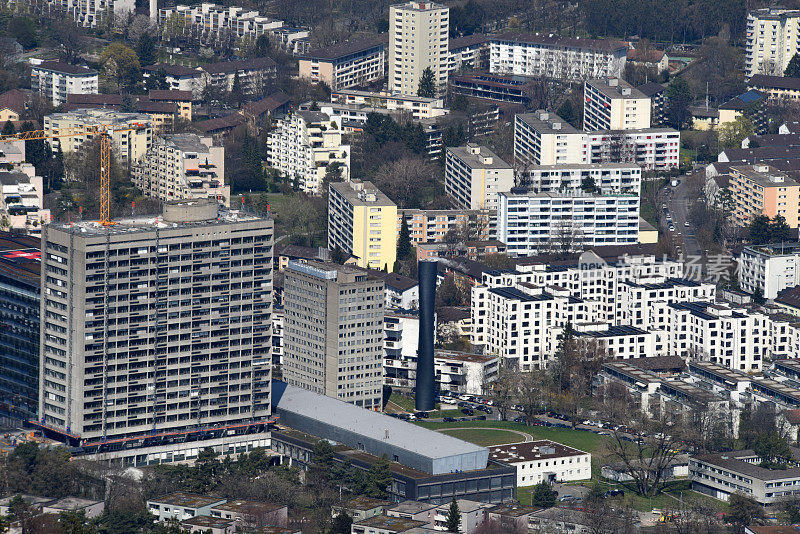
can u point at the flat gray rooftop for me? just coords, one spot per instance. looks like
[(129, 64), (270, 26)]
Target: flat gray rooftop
[(374, 432)]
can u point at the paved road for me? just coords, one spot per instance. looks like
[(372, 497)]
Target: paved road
[(678, 202)]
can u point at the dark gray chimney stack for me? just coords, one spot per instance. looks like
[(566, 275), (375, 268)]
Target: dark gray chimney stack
[(426, 386)]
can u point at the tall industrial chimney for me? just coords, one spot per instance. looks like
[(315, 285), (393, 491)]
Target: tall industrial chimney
[(425, 392)]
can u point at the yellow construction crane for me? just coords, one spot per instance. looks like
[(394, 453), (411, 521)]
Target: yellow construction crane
[(105, 131)]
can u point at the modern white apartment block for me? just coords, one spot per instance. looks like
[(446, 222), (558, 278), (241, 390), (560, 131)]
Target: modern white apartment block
[(252, 74), (555, 57), (131, 133), (333, 337), (178, 77), (456, 372), (474, 176), (304, 144), (619, 342), (614, 104), (543, 461), (419, 107), (22, 199), (646, 303), (128, 354), (54, 80), (609, 178), (348, 64), (769, 268), (650, 148), (544, 138), (362, 221), (773, 38), (183, 166), (735, 338), (89, 13), (531, 223), (418, 40)]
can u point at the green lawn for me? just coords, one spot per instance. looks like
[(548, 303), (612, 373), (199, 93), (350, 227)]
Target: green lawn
[(485, 437)]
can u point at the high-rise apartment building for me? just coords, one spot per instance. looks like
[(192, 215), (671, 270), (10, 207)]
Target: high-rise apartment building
[(333, 332), (89, 13), (773, 38), (304, 144), (362, 221), (474, 176), (348, 64), (55, 80), (156, 333), (418, 39), (614, 104), (761, 189), (183, 166), (544, 138)]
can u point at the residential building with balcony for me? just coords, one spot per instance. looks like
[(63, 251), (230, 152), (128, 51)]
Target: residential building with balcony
[(773, 38), (183, 166), (348, 64), (760, 189), (544, 138), (769, 268), (614, 104), (419, 107), (418, 40), (55, 80), (22, 200)]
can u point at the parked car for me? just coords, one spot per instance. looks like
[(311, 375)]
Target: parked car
[(449, 419), (421, 415), (615, 493), (467, 411)]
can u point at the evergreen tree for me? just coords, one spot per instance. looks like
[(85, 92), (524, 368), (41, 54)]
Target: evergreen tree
[(427, 84), (678, 97), (453, 521), (236, 91), (8, 128), (341, 524), (379, 478), (567, 112), (760, 231), (35, 150), (404, 241), (543, 495), (146, 49), (793, 68), (779, 231)]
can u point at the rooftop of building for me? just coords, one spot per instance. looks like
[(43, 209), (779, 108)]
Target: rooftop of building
[(788, 363), (615, 88), (14, 177), (411, 507), (449, 314), (328, 270), (229, 121), (513, 510), (690, 391), (515, 294), (420, 6), (626, 368), (20, 257), (173, 70), (71, 503), (780, 388), (65, 68), (228, 67), (148, 223), (463, 356), (543, 449), (394, 280), (607, 45), (240, 506), (362, 194), (393, 524), (467, 40), (669, 283), (100, 116), (366, 503), (789, 297), (186, 142), (478, 157), (30, 499), (744, 100), (735, 462), (706, 310), (726, 373), (763, 153), (374, 426), (206, 521), (348, 48), (611, 253), (277, 530), (659, 364), (773, 529), (615, 331), (170, 95), (268, 104), (546, 122), (187, 500), (385, 95), (785, 248), (15, 99), (651, 89), (651, 55), (774, 140), (774, 82)]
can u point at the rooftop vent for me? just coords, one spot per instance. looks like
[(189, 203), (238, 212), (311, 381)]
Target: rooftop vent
[(556, 125), (543, 115), (613, 82), (626, 91)]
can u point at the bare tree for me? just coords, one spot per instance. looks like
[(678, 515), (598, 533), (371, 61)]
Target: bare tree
[(503, 390), (533, 393)]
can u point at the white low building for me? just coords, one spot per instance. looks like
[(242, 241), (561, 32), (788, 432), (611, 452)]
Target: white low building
[(21, 200), (770, 268), (54, 80), (543, 461)]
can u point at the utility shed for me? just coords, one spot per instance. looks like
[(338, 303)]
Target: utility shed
[(375, 433)]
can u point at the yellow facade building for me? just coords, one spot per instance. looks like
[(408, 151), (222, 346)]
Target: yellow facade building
[(362, 221)]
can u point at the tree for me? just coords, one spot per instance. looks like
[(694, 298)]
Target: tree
[(157, 80), (146, 49), (743, 510), (453, 521), (793, 68), (404, 241), (237, 96), (379, 478), (341, 524), (543, 496), (427, 84), (322, 456), (68, 37), (773, 450), (678, 96), (779, 230), (588, 185), (8, 128), (121, 64), (36, 152), (503, 390), (759, 230), (731, 134), (449, 294), (23, 29), (459, 103)]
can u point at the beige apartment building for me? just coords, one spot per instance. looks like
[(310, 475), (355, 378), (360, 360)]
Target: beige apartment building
[(614, 104), (333, 336), (131, 136), (418, 39), (474, 176), (544, 138), (183, 166), (773, 38), (763, 190), (362, 221), (348, 64), (156, 326)]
